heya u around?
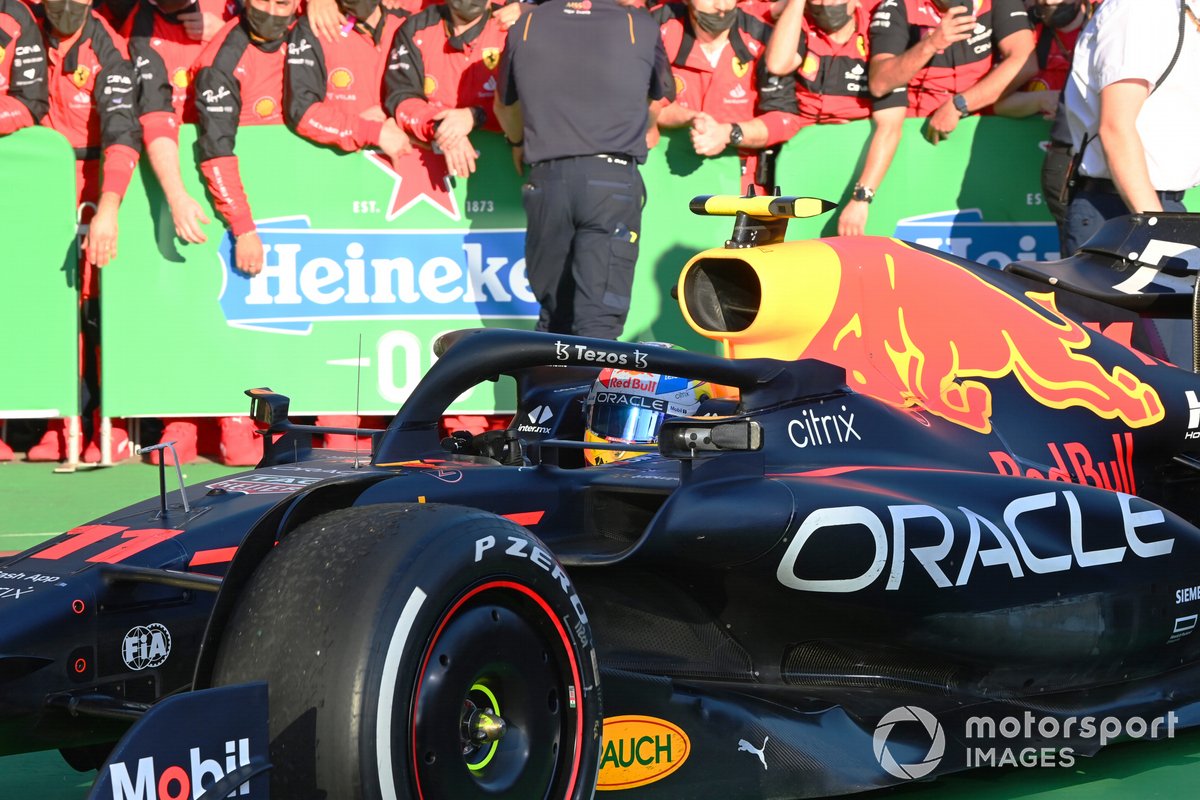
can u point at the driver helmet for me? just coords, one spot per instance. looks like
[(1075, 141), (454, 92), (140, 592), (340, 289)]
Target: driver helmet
[(627, 407)]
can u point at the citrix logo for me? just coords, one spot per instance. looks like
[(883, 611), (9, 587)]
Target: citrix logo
[(174, 782), (917, 769)]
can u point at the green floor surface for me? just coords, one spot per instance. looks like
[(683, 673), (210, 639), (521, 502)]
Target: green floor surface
[(36, 503)]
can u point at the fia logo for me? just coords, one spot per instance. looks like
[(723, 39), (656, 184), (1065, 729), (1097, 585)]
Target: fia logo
[(146, 647)]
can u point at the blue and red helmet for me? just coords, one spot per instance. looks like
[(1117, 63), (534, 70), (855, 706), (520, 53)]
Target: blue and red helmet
[(627, 407)]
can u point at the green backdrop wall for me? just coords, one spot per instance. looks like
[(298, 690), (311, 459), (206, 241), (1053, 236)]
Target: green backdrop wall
[(365, 265)]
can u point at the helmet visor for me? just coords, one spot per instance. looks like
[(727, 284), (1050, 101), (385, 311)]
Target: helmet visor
[(636, 421)]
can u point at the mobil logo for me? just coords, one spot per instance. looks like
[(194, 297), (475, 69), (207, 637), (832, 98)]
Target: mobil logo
[(312, 274), (640, 750), (150, 779), (206, 743), (964, 234)]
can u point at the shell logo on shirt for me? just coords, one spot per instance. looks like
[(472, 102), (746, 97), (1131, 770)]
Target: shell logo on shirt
[(491, 57), (740, 68), (430, 85), (265, 106), (80, 76), (679, 86), (810, 66), (180, 78), (1036, 85), (2, 53), (341, 78)]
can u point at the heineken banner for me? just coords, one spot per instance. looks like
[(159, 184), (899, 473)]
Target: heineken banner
[(38, 306), (367, 263)]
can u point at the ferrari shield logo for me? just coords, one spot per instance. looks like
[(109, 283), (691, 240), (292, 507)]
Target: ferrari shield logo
[(1, 54), (491, 57), (80, 76), (740, 68), (862, 45), (430, 86)]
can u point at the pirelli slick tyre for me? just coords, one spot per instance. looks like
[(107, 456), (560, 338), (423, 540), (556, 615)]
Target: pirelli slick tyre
[(419, 651)]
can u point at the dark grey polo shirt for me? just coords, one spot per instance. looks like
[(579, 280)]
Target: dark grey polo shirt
[(583, 71)]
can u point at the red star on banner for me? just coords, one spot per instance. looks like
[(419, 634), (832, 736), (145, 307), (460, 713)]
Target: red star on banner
[(419, 175)]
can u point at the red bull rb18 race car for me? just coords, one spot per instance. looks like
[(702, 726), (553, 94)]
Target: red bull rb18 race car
[(939, 517)]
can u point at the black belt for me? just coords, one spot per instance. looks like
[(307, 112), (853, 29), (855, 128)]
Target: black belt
[(87, 153), (1089, 184), (616, 158)]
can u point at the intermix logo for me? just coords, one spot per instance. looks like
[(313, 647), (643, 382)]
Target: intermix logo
[(917, 769)]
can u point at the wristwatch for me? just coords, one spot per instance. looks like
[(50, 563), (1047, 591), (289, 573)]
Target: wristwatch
[(735, 135), (960, 103), (862, 194), (478, 116)]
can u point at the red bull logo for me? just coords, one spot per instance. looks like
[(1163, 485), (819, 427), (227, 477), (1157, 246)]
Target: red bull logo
[(914, 330)]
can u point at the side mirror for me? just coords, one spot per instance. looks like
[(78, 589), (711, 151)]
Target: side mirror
[(267, 408), (687, 437)]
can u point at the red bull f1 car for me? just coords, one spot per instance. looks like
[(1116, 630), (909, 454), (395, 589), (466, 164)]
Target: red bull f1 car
[(941, 517)]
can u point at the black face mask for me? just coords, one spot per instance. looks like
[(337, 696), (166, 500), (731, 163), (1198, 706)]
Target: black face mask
[(1059, 16), (470, 10), (268, 27), (829, 18), (359, 9), (713, 23), (66, 16)]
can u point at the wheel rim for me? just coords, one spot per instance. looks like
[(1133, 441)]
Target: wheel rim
[(495, 712)]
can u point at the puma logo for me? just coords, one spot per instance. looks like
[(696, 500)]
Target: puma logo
[(744, 746)]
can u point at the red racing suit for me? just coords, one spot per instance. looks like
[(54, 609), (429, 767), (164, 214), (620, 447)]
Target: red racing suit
[(429, 70), (330, 85), (90, 64), (738, 87), (897, 25), (238, 82), (23, 92), (831, 83), (164, 56)]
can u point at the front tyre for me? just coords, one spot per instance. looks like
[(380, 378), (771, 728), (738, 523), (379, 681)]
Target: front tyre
[(419, 651)]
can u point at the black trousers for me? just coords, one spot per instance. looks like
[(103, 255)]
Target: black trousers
[(585, 218)]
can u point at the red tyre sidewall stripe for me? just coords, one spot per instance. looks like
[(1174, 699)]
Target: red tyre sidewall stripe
[(566, 641)]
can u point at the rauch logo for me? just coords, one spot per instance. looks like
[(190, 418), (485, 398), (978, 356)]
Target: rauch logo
[(174, 782), (312, 274), (640, 750)]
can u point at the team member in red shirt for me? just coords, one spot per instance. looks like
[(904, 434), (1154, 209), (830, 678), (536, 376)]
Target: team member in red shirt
[(166, 37), (722, 89), (942, 52), (164, 52), (91, 103), (826, 43), (441, 77), (23, 97), (333, 97), (23, 92), (239, 81)]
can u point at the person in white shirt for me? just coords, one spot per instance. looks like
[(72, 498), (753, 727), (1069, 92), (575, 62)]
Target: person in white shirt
[(1138, 137)]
